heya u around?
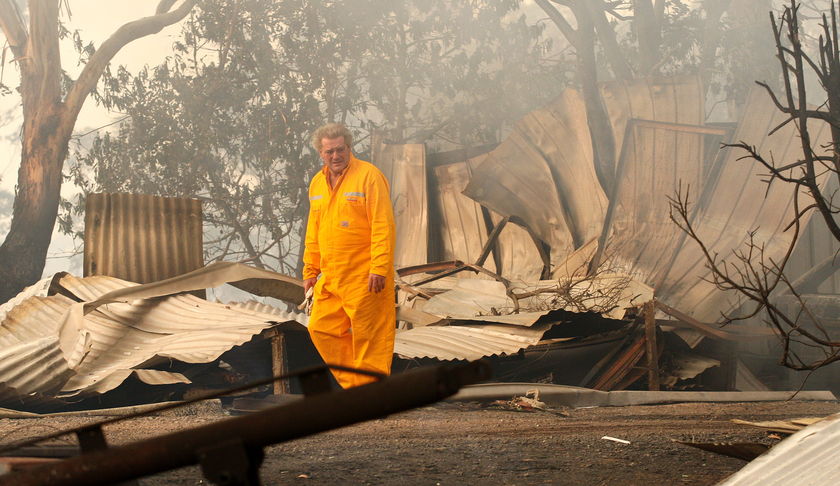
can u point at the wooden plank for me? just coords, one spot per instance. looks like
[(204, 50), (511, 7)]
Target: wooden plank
[(279, 361)]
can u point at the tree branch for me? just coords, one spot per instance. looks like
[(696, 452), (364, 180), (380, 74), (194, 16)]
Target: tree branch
[(125, 34), (11, 21), (606, 33), (559, 20), (44, 69)]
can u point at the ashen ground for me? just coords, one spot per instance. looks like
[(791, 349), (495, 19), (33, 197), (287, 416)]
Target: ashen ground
[(453, 444)]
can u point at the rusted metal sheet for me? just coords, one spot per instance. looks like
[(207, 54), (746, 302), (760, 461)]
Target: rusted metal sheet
[(734, 204), (544, 175), (431, 267), (460, 226), (405, 168), (622, 366), (142, 238), (639, 237)]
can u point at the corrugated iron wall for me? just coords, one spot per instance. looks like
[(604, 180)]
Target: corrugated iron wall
[(404, 165), (142, 238)]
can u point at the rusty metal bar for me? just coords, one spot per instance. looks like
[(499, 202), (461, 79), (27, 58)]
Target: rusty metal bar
[(491, 240), (301, 418), (429, 267)]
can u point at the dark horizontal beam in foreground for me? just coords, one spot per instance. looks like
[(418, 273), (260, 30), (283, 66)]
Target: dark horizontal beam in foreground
[(301, 418)]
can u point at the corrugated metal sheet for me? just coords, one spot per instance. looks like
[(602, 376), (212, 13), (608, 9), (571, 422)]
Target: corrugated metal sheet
[(279, 315), (125, 335), (735, 203), (466, 341), (470, 298), (142, 238), (656, 159), (515, 252), (672, 99), (39, 289), (405, 168), (460, 224), (543, 174), (487, 300), (808, 457), (120, 337)]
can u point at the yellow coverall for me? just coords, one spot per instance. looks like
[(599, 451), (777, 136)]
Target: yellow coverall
[(349, 235)]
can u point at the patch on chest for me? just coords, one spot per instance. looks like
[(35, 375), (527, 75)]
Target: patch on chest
[(344, 224)]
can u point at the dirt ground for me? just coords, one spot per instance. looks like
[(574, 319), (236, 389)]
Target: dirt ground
[(452, 444)]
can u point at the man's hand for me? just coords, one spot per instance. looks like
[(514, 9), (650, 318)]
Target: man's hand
[(376, 283), (309, 283)]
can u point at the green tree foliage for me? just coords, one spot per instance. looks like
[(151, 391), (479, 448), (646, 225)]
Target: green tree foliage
[(227, 118)]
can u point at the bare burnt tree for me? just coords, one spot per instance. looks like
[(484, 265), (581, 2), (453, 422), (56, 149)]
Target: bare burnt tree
[(749, 271)]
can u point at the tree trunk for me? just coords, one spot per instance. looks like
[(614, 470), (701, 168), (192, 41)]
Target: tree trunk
[(603, 141), (23, 253), (647, 26)]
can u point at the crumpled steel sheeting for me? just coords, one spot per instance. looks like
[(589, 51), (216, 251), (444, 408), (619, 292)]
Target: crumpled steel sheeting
[(36, 366), (734, 204), (543, 174), (669, 99), (279, 315), (469, 298), (462, 229), (150, 377), (181, 327), (487, 300), (124, 336), (806, 457), (466, 342), (38, 289), (641, 240)]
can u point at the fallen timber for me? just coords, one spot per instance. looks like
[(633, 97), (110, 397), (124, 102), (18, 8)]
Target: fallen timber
[(230, 451)]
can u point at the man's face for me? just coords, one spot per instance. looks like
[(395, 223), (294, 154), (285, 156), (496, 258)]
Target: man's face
[(335, 154)]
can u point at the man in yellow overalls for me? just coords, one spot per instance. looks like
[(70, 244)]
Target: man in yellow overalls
[(350, 240)]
